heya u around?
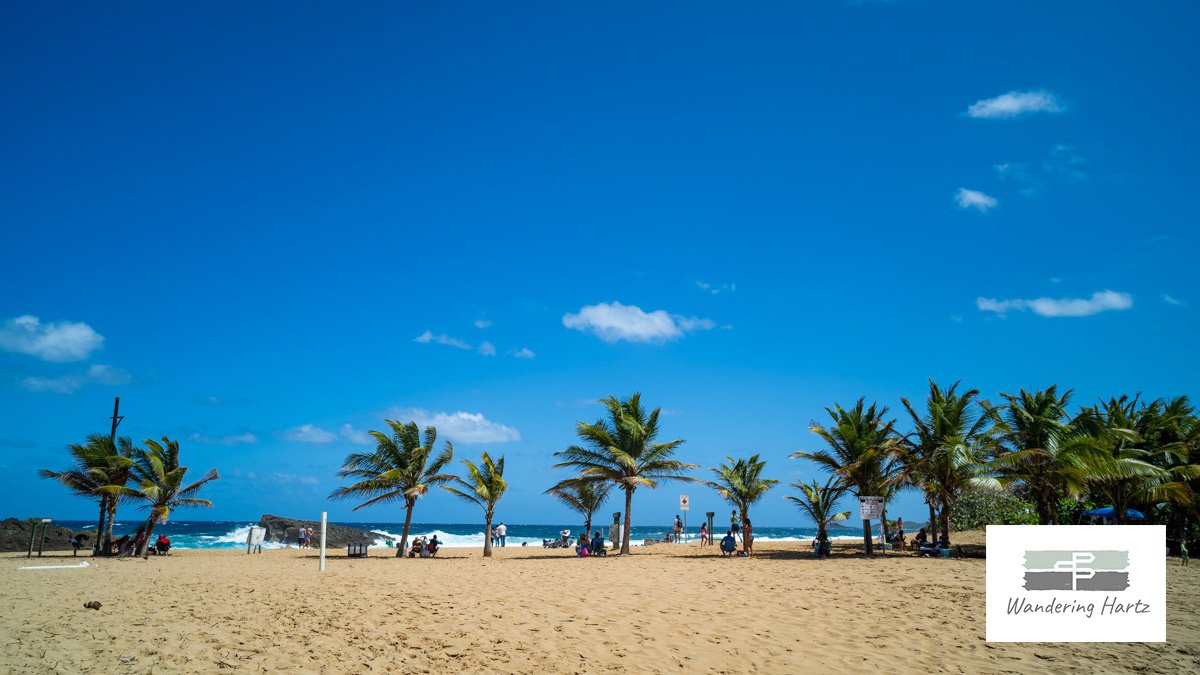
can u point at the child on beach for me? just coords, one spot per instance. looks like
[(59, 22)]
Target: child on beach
[(704, 534), (1183, 552), (747, 538)]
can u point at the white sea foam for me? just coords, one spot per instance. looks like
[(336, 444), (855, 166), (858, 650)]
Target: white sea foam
[(235, 538)]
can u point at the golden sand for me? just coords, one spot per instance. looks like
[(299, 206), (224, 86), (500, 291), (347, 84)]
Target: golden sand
[(668, 608)]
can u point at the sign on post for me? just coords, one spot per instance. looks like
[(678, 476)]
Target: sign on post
[(254, 539), (870, 508), (683, 502)]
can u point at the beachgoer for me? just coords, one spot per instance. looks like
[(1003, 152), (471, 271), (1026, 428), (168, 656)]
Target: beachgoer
[(125, 546), (703, 534), (920, 539), (502, 533), (728, 544), (597, 545), (677, 528), (747, 537), (308, 538), (900, 525), (1183, 552), (491, 534), (301, 537), (582, 550), (734, 526), (76, 542), (162, 545), (898, 540)]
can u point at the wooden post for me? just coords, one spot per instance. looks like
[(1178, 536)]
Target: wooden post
[(42, 541), (33, 525), (710, 515), (323, 522)]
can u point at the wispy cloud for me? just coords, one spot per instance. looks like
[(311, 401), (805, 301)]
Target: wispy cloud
[(973, 199), (613, 322), (457, 426), (356, 436), (487, 349), (523, 353), (1167, 298), (428, 337), (291, 479), (308, 433), (227, 439), (1061, 164), (483, 323), (716, 290), (1101, 301), (60, 342), (1015, 104), (66, 384)]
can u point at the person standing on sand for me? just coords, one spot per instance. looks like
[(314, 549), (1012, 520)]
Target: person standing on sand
[(677, 528), (502, 533), (308, 538), (734, 527), (704, 534), (747, 537)]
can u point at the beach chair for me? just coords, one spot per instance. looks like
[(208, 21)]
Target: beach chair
[(356, 550)]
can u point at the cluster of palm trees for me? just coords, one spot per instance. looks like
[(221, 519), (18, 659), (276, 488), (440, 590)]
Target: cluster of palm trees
[(115, 471), (1125, 452)]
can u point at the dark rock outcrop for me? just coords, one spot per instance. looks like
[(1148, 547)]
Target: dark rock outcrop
[(14, 536), (286, 530)]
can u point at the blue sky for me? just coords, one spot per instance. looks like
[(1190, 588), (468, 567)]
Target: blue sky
[(268, 228)]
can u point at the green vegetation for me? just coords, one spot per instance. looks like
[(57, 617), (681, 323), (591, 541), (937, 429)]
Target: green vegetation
[(483, 486), (740, 483)]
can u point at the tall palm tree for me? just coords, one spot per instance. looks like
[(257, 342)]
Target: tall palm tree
[(160, 484), (586, 497), (483, 486), (740, 483), (399, 469), (621, 450), (1173, 431), (860, 441), (1049, 453), (818, 503), (948, 446), (98, 463)]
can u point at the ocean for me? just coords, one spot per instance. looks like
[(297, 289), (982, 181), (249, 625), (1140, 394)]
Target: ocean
[(231, 534)]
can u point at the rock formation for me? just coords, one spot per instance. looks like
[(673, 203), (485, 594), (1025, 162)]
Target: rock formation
[(285, 530)]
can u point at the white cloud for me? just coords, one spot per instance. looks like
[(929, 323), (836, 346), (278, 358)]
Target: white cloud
[(483, 323), (716, 290), (1015, 104), (61, 341), (613, 322), (457, 426), (1101, 301), (487, 348), (973, 199), (1171, 300), (291, 479), (65, 384), (355, 436), (228, 439), (524, 353), (428, 337), (307, 433)]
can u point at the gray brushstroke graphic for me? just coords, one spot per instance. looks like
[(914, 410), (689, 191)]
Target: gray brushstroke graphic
[(1061, 581), (1103, 560)]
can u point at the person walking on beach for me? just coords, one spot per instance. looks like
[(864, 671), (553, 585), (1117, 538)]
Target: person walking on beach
[(308, 538), (703, 534), (677, 528), (502, 533)]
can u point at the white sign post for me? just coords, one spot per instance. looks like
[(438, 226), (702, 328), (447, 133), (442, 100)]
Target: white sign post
[(684, 505), (323, 522), (871, 508)]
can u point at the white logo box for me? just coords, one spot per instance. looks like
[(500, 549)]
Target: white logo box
[(1080, 566)]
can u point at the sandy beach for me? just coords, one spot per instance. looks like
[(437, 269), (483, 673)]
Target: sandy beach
[(668, 608)]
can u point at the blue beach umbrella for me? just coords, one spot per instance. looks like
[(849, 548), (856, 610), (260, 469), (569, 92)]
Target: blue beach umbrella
[(1110, 512)]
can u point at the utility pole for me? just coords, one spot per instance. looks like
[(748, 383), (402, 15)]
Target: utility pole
[(116, 419)]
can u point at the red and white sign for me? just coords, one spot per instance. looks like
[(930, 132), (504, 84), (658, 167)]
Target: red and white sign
[(684, 502)]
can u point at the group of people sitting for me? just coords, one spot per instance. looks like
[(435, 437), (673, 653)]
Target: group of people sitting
[(424, 548), (592, 547), (923, 546)]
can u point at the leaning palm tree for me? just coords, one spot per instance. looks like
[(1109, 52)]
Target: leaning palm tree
[(160, 485), (398, 470), (621, 451), (98, 463), (860, 441), (818, 503), (740, 483), (585, 497), (483, 486)]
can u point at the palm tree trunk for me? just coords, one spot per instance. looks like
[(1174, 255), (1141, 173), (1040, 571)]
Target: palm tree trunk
[(97, 549), (625, 529), (587, 524), (867, 549), (144, 548), (408, 508), (487, 540), (883, 526), (932, 515), (112, 517), (945, 518)]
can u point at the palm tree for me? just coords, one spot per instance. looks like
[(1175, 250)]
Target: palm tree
[(860, 440), (741, 484), (946, 450), (1049, 453), (397, 470), (98, 463), (160, 484), (621, 450), (818, 502), (585, 497), (484, 486)]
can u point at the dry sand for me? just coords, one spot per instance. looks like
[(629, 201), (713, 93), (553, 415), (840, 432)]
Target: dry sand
[(662, 609)]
